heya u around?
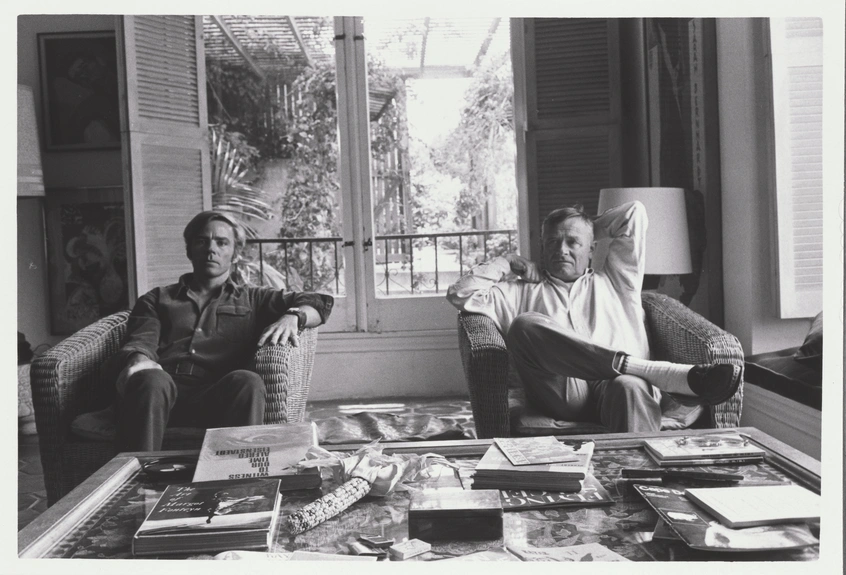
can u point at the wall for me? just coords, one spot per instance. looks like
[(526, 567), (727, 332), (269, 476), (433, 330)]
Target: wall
[(747, 184), (61, 169)]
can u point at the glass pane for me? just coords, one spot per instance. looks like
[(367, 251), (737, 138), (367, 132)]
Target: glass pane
[(274, 136), (443, 190)]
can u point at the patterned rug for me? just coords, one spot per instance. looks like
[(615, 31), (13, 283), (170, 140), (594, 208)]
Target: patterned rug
[(368, 426)]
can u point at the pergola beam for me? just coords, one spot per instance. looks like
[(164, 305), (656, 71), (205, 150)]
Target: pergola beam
[(296, 31), (227, 32), (487, 43), (423, 42)]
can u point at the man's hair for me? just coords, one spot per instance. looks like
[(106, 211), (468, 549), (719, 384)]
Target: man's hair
[(199, 221), (556, 217)]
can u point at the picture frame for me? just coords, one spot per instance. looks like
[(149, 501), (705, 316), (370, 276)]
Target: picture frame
[(79, 90), (86, 255)]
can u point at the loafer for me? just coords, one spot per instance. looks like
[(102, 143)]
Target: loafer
[(714, 383)]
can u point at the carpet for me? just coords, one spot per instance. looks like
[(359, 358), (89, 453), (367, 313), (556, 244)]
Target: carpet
[(369, 426)]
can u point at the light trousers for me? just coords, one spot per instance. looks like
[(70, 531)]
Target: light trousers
[(570, 378)]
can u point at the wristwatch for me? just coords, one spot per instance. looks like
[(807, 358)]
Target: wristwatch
[(301, 316)]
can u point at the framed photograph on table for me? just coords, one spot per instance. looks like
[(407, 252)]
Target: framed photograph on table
[(79, 90), (86, 254)]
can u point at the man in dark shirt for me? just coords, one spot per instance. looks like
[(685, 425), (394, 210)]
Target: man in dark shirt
[(186, 343)]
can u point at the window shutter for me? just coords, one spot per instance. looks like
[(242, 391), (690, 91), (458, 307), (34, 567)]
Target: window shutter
[(166, 157), (573, 114), (797, 69)]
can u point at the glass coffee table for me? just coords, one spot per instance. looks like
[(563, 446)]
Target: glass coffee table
[(100, 516)]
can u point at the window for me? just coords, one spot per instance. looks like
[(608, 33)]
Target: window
[(373, 158), (797, 77)]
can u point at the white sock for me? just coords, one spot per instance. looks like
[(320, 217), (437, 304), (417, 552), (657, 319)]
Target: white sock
[(664, 375)]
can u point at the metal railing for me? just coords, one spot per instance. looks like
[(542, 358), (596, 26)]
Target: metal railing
[(395, 257)]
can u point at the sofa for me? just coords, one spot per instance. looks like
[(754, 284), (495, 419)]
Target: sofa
[(73, 389), (675, 332)]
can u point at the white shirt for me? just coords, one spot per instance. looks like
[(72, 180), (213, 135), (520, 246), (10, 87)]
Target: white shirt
[(603, 305)]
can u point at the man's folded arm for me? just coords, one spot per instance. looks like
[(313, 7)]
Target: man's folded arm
[(625, 225), (317, 306), (481, 290), (142, 331)]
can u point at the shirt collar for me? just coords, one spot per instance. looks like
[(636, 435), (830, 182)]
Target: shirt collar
[(561, 283), (185, 281)]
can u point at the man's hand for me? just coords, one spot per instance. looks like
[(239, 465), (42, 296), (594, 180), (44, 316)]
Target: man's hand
[(136, 362), (525, 268), (281, 331)]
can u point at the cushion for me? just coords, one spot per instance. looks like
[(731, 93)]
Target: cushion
[(780, 373), (811, 351), (100, 426), (368, 426)]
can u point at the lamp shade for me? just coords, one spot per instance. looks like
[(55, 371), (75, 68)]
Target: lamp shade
[(667, 238), (30, 178)]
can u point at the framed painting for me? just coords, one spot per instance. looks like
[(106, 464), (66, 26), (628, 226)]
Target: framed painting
[(86, 254), (79, 90)]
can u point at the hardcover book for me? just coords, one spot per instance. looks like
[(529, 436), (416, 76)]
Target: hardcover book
[(591, 494), (700, 530), (696, 450), (259, 451), (210, 517), (758, 505), (494, 471), (533, 450)]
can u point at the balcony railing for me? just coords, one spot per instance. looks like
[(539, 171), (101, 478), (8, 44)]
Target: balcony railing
[(406, 264)]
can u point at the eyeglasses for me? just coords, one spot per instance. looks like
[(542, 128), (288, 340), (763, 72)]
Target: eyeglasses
[(712, 441)]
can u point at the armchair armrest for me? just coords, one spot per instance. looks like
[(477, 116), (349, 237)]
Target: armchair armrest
[(678, 334), (485, 360), (286, 371), (68, 379)]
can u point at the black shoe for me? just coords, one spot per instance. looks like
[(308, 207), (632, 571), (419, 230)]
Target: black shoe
[(714, 383)]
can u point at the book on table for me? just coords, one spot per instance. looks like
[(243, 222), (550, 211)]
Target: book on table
[(758, 505), (725, 448), (236, 453), (209, 517), (532, 450), (698, 529), (495, 471)]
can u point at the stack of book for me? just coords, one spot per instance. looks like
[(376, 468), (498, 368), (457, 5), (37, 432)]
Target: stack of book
[(235, 453), (542, 463), (712, 449), (209, 517)]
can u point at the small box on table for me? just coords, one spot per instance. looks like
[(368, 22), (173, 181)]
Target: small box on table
[(445, 514)]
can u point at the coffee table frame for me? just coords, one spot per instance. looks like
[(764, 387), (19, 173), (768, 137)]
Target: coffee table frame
[(49, 528)]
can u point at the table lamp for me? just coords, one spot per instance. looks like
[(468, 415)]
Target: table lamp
[(667, 238), (30, 177)]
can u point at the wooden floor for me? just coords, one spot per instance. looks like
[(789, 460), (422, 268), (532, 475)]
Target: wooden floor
[(32, 496)]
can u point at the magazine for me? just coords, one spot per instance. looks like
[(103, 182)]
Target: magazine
[(721, 446), (259, 451), (591, 494), (533, 450), (584, 552), (495, 471), (700, 530)]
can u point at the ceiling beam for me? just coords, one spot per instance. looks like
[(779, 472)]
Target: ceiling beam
[(227, 32), (296, 31), (423, 44), (487, 43)]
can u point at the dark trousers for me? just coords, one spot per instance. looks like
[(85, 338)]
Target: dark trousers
[(154, 399), (571, 378)]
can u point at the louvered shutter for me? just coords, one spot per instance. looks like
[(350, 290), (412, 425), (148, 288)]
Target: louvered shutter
[(573, 113), (166, 164), (797, 66)]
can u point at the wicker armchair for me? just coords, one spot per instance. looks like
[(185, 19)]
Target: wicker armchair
[(71, 379), (675, 334)]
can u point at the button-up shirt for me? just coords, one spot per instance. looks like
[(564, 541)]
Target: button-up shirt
[(603, 305), (168, 326)]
